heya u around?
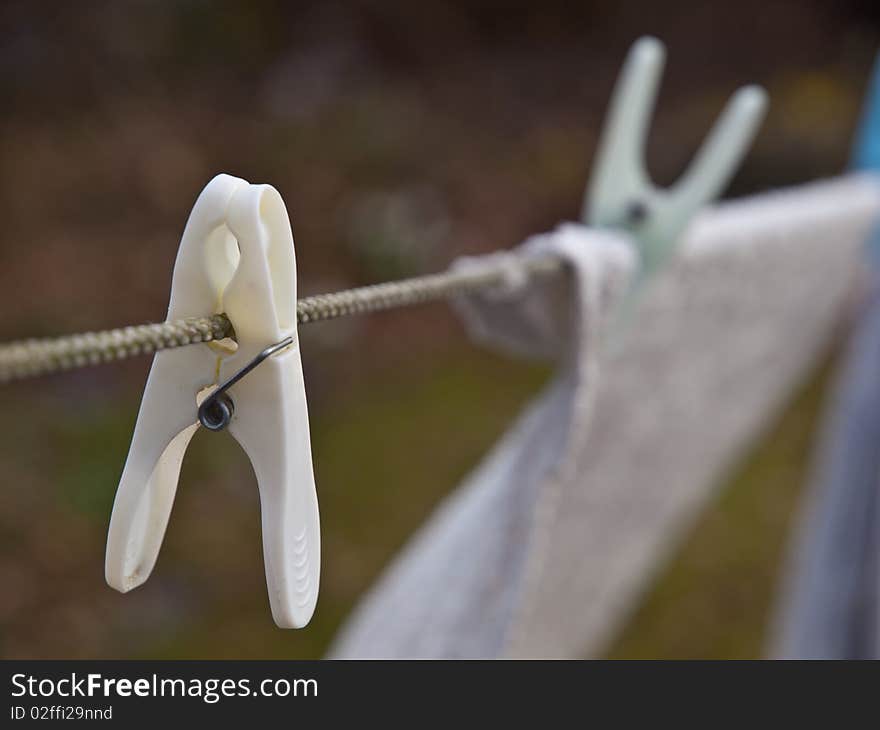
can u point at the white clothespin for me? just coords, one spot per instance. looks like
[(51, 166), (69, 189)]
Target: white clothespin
[(236, 256), (620, 193)]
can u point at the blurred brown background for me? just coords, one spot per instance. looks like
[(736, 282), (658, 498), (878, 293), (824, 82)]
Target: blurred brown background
[(400, 135)]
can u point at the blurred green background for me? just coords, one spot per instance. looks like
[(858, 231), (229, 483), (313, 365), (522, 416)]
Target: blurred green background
[(400, 135)]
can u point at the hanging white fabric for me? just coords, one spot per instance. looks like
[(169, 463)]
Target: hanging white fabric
[(546, 547)]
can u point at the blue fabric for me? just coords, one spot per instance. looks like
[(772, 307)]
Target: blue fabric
[(866, 152)]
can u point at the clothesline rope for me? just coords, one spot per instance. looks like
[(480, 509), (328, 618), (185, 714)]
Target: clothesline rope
[(34, 357)]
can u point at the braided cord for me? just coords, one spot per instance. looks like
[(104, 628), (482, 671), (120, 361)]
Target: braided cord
[(409, 292), (30, 358)]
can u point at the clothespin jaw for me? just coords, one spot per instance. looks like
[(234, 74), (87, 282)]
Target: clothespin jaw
[(236, 256), (620, 193), (866, 153)]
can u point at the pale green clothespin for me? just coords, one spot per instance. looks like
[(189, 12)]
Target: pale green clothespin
[(620, 193)]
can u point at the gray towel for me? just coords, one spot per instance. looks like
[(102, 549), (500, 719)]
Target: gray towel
[(831, 604)]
